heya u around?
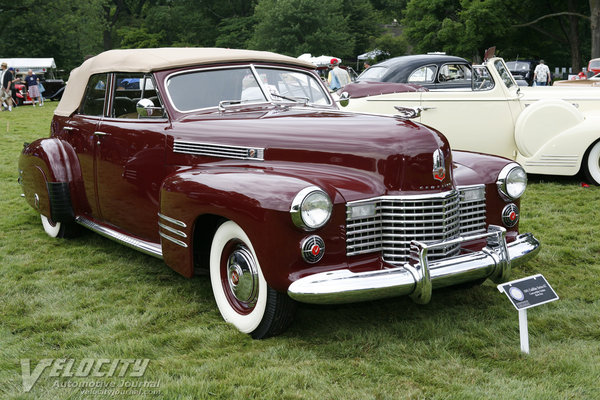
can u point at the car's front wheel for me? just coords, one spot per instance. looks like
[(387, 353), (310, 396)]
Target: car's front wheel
[(592, 164), (239, 287)]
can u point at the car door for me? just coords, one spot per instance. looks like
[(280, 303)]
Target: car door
[(80, 133), (466, 117), (130, 158)]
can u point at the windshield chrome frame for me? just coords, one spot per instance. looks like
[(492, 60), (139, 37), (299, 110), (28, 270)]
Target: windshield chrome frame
[(268, 98)]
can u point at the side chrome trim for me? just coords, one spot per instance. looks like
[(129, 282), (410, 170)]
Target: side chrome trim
[(150, 248), (221, 151), (176, 241), (418, 277), (172, 220), (172, 230)]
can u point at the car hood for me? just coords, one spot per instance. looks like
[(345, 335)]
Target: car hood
[(399, 153)]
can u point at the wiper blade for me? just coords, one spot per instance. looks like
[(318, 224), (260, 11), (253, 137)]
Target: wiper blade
[(294, 99)]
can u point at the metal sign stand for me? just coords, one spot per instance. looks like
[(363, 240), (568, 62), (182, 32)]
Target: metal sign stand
[(523, 331)]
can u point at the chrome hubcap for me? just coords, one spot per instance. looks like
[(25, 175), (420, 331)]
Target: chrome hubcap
[(242, 275)]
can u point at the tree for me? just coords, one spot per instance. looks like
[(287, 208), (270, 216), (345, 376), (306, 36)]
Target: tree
[(295, 27), (595, 27), (455, 26), (560, 22)]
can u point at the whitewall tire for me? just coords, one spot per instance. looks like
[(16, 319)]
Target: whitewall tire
[(242, 295), (592, 164), (59, 229), (53, 229)]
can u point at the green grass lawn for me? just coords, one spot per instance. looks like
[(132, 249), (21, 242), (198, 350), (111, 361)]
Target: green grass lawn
[(90, 298)]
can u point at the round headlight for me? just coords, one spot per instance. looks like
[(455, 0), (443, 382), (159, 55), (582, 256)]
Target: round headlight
[(512, 181), (311, 208)]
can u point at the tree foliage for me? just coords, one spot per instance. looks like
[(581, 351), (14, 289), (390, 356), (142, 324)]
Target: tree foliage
[(295, 27), (561, 31)]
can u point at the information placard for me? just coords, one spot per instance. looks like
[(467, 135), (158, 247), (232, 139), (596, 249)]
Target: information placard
[(529, 292)]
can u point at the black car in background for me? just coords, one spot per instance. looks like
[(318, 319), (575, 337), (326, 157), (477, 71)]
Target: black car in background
[(522, 70), (433, 71)]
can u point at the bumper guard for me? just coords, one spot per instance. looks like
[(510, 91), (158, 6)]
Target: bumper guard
[(419, 277)]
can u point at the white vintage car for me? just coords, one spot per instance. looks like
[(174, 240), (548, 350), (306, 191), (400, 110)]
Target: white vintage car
[(548, 130)]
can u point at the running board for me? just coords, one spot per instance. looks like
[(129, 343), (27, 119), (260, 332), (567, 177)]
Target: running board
[(146, 247)]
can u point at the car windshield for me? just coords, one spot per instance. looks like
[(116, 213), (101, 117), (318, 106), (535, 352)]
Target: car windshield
[(504, 74), (518, 65), (373, 74), (195, 90), (595, 63)]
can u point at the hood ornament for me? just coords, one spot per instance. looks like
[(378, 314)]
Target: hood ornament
[(439, 169)]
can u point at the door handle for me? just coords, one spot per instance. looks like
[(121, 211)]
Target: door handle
[(100, 133), (70, 128)]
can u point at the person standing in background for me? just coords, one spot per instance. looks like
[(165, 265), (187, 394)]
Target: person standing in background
[(7, 79), (32, 81), (541, 74), (338, 77)]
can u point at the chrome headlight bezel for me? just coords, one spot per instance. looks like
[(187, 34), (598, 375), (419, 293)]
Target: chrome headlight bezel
[(304, 202), (512, 182)]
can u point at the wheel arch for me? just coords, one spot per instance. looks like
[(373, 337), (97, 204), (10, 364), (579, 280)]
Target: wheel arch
[(50, 176)]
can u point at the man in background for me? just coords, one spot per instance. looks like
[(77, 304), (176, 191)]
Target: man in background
[(541, 74), (338, 77), (5, 92)]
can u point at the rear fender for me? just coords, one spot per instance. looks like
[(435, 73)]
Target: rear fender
[(256, 200), (50, 177), (542, 121)]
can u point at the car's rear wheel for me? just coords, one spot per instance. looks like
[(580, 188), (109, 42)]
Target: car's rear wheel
[(239, 287), (592, 164), (59, 229)]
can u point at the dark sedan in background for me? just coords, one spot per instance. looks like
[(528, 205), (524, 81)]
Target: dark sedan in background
[(433, 71), (522, 70)]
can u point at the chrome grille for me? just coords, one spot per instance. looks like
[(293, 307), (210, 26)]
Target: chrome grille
[(388, 224), (472, 211)]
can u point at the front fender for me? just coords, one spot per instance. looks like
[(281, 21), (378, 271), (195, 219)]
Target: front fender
[(51, 178), (257, 200)]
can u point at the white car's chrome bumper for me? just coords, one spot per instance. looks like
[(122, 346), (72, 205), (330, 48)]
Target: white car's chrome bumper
[(418, 277)]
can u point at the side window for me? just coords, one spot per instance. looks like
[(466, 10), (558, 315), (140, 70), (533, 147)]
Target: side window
[(95, 93), (129, 89), (454, 73), (424, 74)]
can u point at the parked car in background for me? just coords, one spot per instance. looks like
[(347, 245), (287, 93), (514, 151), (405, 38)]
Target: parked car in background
[(433, 71), (594, 66), (522, 70), (240, 164), (548, 130), (593, 81)]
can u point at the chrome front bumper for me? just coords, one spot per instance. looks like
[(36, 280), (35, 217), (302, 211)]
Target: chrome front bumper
[(418, 277)]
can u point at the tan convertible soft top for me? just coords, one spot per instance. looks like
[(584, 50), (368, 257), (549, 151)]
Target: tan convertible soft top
[(148, 60)]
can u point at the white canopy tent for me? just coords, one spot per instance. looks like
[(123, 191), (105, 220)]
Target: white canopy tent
[(22, 65), (321, 61)]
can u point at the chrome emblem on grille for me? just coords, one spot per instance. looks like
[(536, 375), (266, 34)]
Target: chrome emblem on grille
[(439, 170)]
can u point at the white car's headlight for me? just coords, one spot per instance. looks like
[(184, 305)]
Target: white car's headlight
[(512, 181), (311, 208)]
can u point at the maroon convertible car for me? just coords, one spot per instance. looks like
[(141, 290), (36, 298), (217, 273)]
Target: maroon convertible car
[(240, 164)]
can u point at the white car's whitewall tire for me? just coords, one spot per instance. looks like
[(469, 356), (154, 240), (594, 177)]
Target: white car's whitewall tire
[(592, 164)]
